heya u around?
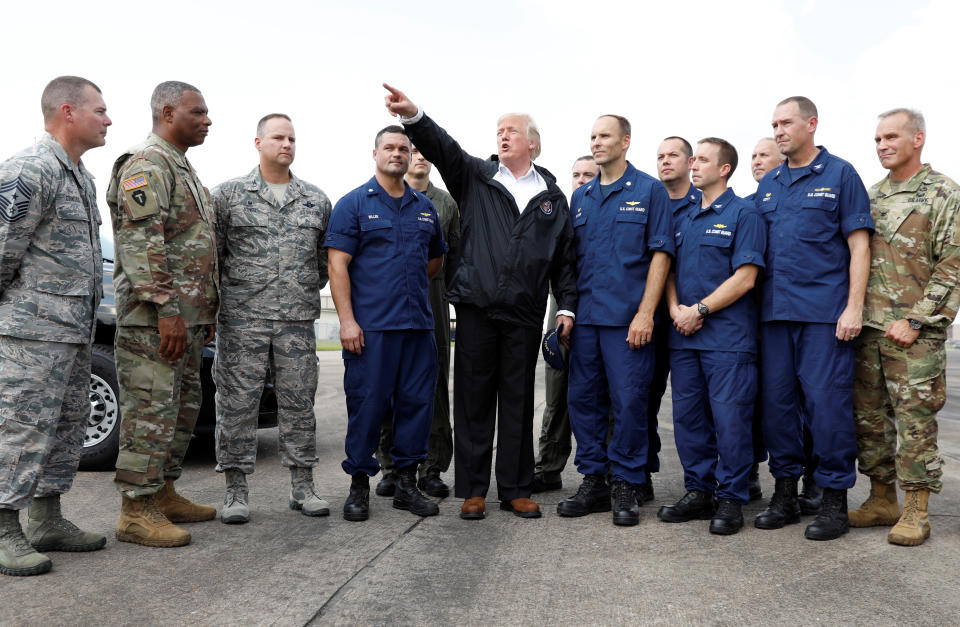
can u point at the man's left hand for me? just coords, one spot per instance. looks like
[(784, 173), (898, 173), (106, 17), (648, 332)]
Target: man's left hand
[(849, 324), (688, 320), (640, 332), (211, 333), (567, 323), (900, 333)]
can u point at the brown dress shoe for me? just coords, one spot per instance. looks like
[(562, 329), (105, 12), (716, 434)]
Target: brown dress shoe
[(473, 508), (522, 507)]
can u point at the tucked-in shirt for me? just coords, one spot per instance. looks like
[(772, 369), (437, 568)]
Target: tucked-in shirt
[(711, 244), (615, 238), (809, 216), (390, 249), (522, 189), (915, 252)]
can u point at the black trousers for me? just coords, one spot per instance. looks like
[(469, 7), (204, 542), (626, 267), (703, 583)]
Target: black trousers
[(494, 368)]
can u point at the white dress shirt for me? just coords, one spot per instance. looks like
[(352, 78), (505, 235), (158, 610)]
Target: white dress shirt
[(524, 188)]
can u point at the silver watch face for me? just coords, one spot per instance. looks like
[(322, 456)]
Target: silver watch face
[(916, 325), (703, 309)]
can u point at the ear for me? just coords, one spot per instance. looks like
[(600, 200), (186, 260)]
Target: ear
[(919, 139), (66, 112), (812, 124), (690, 161), (256, 142), (166, 114), (725, 170), (626, 141)]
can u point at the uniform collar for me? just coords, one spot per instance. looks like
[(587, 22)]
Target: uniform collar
[(627, 181), (692, 198), (911, 185), (255, 182), (77, 168), (720, 203), (373, 188), (178, 155), (817, 166)]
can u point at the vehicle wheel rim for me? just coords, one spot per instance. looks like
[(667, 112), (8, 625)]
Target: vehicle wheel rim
[(104, 412)]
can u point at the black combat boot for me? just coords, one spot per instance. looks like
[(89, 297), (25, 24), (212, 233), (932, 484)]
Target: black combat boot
[(592, 496), (783, 508), (645, 491), (407, 496), (432, 485), (756, 492), (810, 497), (728, 520), (357, 506), (387, 485), (832, 521), (694, 504), (626, 506)]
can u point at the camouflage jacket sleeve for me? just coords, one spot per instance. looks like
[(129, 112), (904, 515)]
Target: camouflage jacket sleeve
[(325, 209), (22, 191), (143, 197), (941, 298), (220, 198)]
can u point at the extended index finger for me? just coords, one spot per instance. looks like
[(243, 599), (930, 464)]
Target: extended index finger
[(393, 90)]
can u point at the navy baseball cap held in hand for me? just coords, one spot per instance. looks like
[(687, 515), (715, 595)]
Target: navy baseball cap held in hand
[(552, 353)]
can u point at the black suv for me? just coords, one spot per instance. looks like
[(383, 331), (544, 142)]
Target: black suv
[(102, 438)]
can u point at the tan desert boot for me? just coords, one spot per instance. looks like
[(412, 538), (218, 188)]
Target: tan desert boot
[(880, 508), (179, 509), (914, 526), (141, 522)]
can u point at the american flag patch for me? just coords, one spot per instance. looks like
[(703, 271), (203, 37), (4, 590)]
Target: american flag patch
[(134, 182)]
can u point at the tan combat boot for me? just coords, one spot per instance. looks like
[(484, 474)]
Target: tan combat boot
[(914, 526), (180, 510), (141, 522), (880, 508)]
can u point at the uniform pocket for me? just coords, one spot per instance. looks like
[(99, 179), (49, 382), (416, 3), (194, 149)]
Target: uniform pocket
[(926, 359), (818, 219)]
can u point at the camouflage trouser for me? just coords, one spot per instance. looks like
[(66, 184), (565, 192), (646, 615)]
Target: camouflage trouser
[(159, 403), (440, 444), (44, 408), (245, 349), (556, 441), (896, 396)]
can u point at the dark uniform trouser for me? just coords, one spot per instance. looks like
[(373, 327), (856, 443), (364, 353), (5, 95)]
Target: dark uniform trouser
[(897, 394), (440, 444), (159, 402), (44, 408), (807, 369), (494, 369), (245, 350), (398, 369)]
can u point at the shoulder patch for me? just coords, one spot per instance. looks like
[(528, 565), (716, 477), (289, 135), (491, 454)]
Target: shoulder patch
[(14, 199), (140, 201)]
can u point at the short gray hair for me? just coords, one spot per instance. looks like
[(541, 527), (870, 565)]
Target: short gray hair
[(270, 116), (168, 94), (63, 89), (915, 121), (533, 132), (804, 105)]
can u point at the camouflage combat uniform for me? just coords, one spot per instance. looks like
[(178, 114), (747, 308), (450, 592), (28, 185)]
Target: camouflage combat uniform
[(440, 444), (274, 265), (51, 276), (166, 264), (914, 269)]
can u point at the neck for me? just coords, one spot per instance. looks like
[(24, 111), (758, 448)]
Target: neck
[(517, 167), (905, 172), (712, 192), (393, 185), (611, 172), (419, 183), (161, 132), (803, 157), (73, 150), (677, 188), (275, 173)]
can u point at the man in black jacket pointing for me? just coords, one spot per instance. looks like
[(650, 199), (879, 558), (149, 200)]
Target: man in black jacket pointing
[(516, 235)]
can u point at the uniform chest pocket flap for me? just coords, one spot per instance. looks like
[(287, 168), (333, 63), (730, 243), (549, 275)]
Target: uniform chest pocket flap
[(720, 241), (632, 217), (309, 221), (249, 218), (579, 219), (375, 224), (72, 211)]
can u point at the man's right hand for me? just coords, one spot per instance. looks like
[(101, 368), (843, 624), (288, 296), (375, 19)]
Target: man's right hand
[(173, 338), (398, 103), (351, 337)]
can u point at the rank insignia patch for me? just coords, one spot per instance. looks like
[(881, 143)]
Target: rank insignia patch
[(546, 207), (14, 200)]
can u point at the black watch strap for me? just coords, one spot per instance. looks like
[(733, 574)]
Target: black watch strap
[(916, 325)]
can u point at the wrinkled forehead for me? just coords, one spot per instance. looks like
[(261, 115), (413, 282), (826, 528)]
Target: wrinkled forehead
[(766, 146), (671, 147), (394, 139)]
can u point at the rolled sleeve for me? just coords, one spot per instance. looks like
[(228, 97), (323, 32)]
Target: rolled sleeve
[(343, 233), (750, 245), (854, 205), (660, 226)]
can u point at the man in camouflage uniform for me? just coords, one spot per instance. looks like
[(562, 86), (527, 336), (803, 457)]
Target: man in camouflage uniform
[(50, 285), (270, 231), (166, 292), (912, 298), (440, 444)]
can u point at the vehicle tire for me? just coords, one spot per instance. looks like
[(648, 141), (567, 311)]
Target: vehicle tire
[(101, 441)]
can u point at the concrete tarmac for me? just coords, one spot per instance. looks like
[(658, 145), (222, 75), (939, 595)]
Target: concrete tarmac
[(283, 568)]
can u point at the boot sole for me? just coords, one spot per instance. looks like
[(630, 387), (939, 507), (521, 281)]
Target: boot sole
[(596, 508), (626, 521), (824, 537), (792, 520), (881, 522), (297, 506), (355, 517), (725, 531), (235, 519), (508, 508), (705, 515), (404, 506), (39, 569), (904, 541), (473, 515), (160, 544), (70, 548), (191, 519)]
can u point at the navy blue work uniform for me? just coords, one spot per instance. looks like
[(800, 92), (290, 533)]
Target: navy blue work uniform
[(615, 236), (390, 247), (810, 212), (714, 370)]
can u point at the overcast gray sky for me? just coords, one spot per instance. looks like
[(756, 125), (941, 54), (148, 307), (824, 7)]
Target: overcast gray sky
[(692, 68)]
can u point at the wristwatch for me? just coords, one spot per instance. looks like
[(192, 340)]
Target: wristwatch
[(916, 325), (702, 309)]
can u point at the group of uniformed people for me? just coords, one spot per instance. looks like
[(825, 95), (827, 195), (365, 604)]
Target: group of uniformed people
[(791, 291)]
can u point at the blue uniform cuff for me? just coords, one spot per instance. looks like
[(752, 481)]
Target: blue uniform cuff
[(662, 243), (747, 256), (341, 242), (856, 222)]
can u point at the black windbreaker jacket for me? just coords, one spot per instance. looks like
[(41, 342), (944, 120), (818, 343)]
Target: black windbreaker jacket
[(506, 257)]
